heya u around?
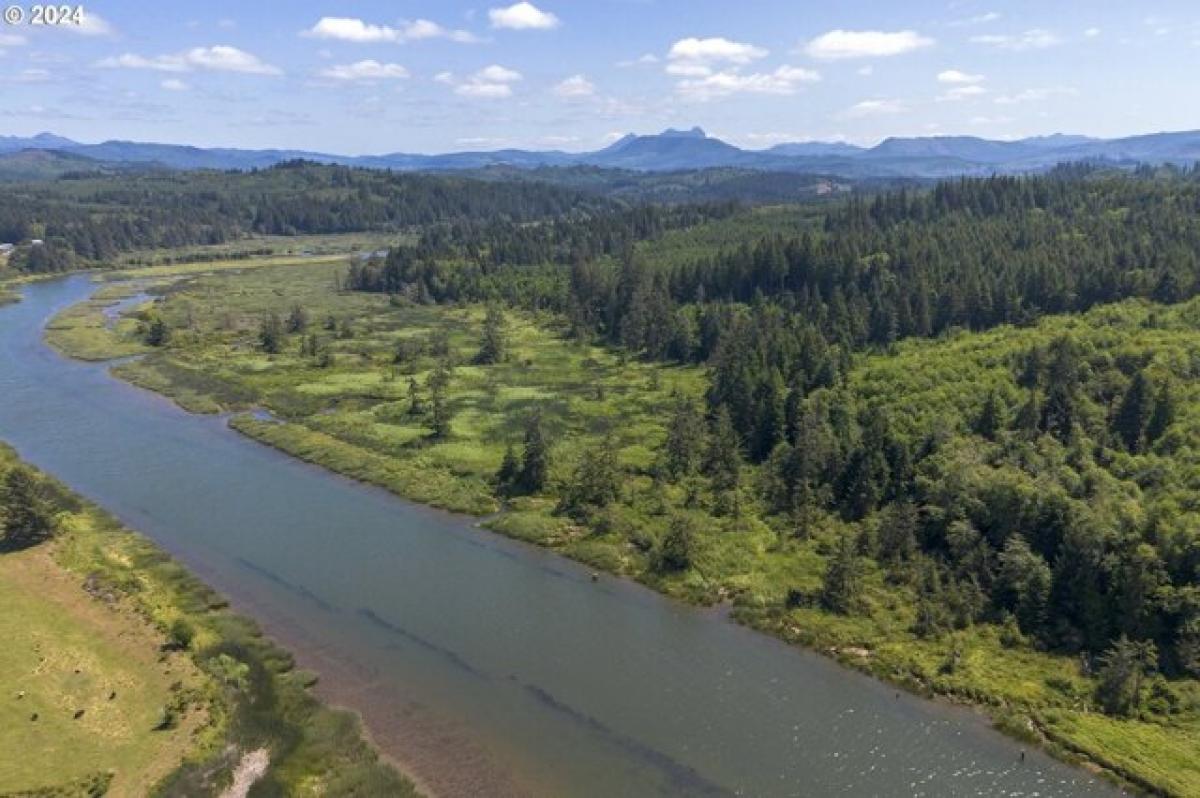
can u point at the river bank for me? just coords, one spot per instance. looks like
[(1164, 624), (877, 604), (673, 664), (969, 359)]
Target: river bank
[(556, 679), (207, 688)]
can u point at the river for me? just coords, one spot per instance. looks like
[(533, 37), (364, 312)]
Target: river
[(485, 666)]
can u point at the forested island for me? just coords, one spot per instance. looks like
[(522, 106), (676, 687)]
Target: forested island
[(943, 432)]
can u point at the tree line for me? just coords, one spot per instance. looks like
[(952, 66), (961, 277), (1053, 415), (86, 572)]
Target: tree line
[(88, 220)]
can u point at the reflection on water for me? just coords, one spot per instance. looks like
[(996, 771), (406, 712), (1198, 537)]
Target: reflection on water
[(482, 664)]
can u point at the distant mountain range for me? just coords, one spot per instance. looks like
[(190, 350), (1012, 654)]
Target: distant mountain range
[(46, 154)]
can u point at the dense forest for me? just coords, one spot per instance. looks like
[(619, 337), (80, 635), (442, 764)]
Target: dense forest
[(780, 321), (86, 219)]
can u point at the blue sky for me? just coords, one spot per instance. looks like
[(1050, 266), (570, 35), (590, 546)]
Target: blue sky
[(424, 76)]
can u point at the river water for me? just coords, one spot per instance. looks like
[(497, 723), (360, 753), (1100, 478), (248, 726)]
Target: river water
[(485, 666)]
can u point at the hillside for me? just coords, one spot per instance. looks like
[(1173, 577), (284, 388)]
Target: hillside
[(673, 150)]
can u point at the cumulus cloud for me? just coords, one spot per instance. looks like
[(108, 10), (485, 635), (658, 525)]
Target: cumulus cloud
[(497, 74), (1032, 39), (713, 50), (364, 71), (575, 86), (955, 76), (784, 80), (352, 29), (713, 67), (522, 16), (174, 84), (874, 108), (218, 58), (840, 44)]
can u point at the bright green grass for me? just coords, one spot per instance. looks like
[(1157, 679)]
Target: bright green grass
[(66, 652), (83, 331)]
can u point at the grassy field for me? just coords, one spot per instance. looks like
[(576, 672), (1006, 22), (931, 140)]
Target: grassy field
[(65, 653), (85, 624), (350, 412)]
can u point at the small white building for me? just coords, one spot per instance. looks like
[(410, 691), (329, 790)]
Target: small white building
[(35, 242), (6, 248)]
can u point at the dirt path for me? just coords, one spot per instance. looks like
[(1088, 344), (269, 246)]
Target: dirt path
[(249, 770)]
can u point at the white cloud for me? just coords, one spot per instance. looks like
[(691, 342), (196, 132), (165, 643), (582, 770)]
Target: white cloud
[(1092, 33), (11, 40), (491, 82), (716, 49), (368, 70), (962, 93), (784, 80), (875, 108), (837, 44), (424, 29), (352, 29), (348, 29), (497, 74), (1034, 95), (866, 71), (223, 58), (491, 91), (958, 77), (1033, 39), (218, 58), (522, 16), (92, 24), (575, 86), (174, 84), (162, 63)]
